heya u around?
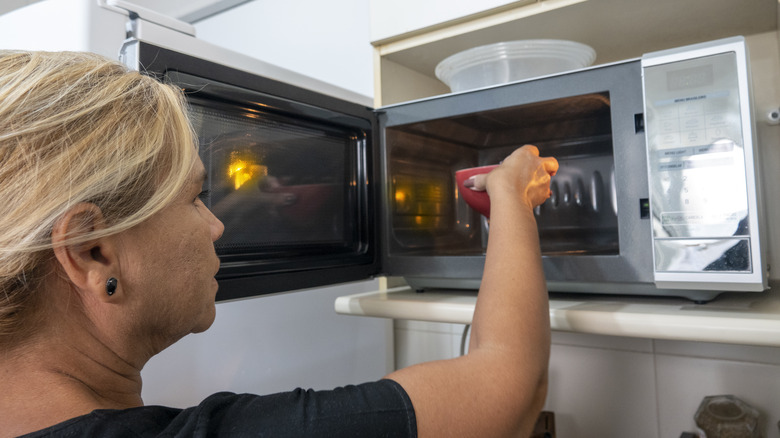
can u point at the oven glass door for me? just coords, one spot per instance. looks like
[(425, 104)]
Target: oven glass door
[(289, 177), (280, 185)]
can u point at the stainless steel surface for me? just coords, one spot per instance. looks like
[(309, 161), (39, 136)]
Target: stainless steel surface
[(596, 231), (700, 155)]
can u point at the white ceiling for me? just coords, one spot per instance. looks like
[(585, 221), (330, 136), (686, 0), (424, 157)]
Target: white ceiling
[(10, 5)]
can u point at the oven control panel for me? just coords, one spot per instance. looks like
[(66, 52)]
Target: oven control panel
[(701, 168)]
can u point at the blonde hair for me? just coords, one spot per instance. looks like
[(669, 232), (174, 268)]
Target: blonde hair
[(77, 127)]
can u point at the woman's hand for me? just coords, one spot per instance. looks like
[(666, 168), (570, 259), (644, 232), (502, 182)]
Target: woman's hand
[(523, 174)]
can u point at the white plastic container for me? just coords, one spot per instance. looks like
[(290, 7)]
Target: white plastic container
[(511, 61)]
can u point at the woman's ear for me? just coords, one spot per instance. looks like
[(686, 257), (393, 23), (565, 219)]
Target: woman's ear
[(86, 263)]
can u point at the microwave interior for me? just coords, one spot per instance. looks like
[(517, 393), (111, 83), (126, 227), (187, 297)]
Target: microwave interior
[(427, 216)]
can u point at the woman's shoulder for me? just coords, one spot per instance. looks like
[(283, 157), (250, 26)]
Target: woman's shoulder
[(372, 409), (133, 422)]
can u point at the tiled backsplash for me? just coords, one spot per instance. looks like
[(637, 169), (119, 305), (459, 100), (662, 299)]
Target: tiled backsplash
[(603, 386)]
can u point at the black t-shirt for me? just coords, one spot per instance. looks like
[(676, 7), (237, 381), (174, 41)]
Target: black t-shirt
[(378, 409)]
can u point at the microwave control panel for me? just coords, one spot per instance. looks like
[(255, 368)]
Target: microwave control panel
[(702, 178)]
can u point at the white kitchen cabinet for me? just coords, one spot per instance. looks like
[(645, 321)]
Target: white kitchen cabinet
[(616, 29), (391, 18)]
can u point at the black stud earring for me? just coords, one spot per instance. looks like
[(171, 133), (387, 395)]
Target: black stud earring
[(111, 286)]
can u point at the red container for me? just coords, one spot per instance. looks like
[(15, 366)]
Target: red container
[(478, 200)]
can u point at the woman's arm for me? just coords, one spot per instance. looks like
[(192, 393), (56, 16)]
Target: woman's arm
[(499, 387)]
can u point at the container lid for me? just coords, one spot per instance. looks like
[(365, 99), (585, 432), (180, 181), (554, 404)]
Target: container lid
[(515, 60)]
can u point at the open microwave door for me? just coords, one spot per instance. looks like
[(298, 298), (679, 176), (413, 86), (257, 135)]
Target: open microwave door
[(290, 173)]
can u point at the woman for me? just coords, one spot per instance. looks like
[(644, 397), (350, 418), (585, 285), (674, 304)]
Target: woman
[(107, 258)]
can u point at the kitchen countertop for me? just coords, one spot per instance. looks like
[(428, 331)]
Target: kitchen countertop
[(733, 318)]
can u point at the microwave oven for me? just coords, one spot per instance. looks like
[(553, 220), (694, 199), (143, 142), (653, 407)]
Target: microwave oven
[(657, 191)]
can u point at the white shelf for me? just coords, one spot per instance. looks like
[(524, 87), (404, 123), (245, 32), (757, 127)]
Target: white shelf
[(733, 318)]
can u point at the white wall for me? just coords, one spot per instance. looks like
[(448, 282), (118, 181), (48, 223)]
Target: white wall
[(327, 40), (270, 344)]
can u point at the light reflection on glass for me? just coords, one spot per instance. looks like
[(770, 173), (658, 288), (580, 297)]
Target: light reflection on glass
[(243, 168)]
